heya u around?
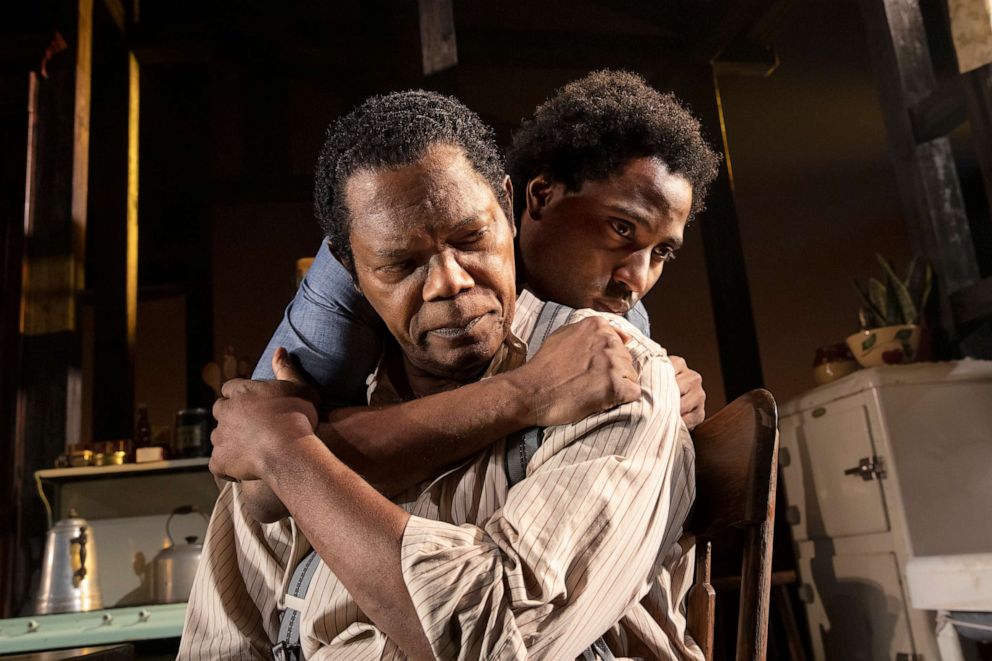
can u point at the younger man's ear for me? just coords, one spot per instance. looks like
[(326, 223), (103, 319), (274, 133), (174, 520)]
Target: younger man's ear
[(538, 195), (344, 259)]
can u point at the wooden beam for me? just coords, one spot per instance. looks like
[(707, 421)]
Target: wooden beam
[(973, 303), (117, 12), (938, 113), (108, 263), (131, 256), (524, 47), (926, 175), (741, 19), (49, 393), (438, 48), (14, 130), (730, 296), (977, 86)]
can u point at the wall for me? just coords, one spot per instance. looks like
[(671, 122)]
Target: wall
[(816, 196)]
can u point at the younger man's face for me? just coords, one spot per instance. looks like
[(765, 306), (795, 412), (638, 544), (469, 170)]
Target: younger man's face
[(605, 245), (433, 254)]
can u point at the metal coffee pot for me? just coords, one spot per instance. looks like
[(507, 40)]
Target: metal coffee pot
[(68, 576), (174, 568)]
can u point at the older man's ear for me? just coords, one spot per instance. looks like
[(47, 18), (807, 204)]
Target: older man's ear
[(508, 192)]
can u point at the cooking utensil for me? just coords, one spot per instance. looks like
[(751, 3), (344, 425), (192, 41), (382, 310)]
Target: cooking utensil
[(174, 568), (68, 575)]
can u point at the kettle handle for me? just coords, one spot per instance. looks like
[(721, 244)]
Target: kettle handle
[(182, 509), (79, 573)]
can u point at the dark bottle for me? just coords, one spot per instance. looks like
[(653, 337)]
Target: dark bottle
[(193, 427), (142, 428)]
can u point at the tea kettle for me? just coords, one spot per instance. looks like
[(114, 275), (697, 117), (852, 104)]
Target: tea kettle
[(68, 575), (174, 568)]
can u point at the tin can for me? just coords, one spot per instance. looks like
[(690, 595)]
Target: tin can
[(193, 428)]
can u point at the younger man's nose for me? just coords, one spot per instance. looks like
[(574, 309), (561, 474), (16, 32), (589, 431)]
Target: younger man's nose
[(635, 272)]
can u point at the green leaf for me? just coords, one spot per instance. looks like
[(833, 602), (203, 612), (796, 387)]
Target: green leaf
[(869, 342), (894, 311), (911, 269), (873, 314), (919, 283), (900, 308), (879, 298)]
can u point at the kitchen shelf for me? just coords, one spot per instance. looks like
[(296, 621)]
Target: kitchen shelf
[(131, 469), (126, 490)]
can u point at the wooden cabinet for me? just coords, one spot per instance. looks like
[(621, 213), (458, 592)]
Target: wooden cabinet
[(882, 466)]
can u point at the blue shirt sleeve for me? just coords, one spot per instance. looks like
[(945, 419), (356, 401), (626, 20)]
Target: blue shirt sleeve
[(638, 316), (332, 331)]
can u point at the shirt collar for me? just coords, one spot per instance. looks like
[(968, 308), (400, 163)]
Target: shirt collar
[(528, 310), (382, 391)]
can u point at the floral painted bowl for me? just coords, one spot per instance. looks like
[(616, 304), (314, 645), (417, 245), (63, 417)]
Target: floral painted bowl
[(888, 345)]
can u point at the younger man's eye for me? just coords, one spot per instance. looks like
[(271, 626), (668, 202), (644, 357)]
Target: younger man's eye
[(664, 253), (623, 229)]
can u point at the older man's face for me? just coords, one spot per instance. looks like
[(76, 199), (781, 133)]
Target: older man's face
[(433, 254)]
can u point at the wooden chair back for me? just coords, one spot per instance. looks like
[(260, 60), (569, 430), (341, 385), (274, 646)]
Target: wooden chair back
[(736, 474)]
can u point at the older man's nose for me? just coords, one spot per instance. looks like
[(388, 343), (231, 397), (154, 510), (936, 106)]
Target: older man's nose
[(446, 277), (635, 271)]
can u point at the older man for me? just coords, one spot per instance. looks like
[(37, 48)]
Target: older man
[(467, 567)]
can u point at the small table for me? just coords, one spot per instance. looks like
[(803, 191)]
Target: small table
[(952, 584)]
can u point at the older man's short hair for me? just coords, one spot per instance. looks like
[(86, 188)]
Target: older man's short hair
[(395, 130)]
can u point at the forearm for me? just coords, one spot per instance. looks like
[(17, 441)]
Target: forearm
[(398, 446), (356, 531)]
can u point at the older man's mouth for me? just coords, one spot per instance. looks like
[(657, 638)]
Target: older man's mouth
[(456, 331)]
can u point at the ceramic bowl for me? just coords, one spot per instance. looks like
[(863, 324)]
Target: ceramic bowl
[(888, 345), (832, 362), (827, 372)]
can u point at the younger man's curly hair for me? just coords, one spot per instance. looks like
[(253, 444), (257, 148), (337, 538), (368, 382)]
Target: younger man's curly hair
[(590, 128)]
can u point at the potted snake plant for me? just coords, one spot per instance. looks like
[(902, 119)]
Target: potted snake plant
[(891, 314)]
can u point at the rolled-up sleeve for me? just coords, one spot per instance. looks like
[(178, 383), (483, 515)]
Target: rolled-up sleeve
[(333, 333), (576, 543)]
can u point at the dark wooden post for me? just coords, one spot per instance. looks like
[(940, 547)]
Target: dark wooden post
[(13, 134), (926, 174), (48, 408), (438, 48), (14, 131), (112, 233), (730, 295), (974, 304)]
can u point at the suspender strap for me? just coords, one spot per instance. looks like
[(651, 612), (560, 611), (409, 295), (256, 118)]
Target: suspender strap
[(287, 647), (522, 446), (553, 316), (598, 651)]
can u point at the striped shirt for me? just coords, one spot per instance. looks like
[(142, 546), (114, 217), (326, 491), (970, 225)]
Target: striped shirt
[(589, 542)]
